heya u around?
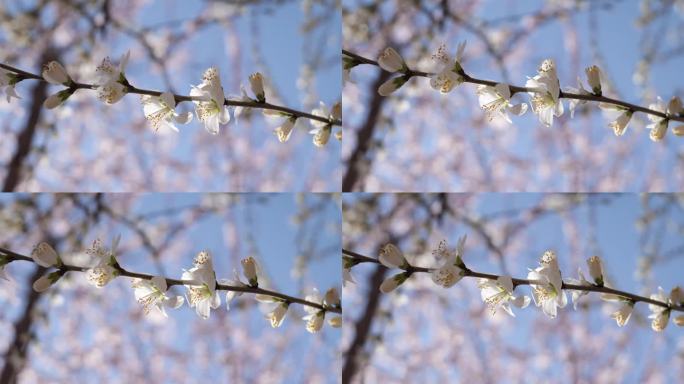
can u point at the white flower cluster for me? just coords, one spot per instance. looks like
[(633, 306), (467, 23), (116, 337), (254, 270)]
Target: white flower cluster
[(547, 285), (211, 105), (151, 292), (544, 90)]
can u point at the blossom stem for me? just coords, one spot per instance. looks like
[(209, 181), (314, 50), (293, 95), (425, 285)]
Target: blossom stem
[(180, 98), (517, 89), (359, 258), (13, 256)]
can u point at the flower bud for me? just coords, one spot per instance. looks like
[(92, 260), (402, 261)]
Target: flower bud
[(54, 73), (45, 256), (46, 281), (332, 297), (679, 321), (249, 268), (594, 79), (391, 61), (391, 257), (595, 270), (256, 82), (674, 107), (322, 136), (57, 99), (284, 131), (336, 321), (392, 85), (391, 283), (677, 296), (336, 111), (623, 314), (620, 124)]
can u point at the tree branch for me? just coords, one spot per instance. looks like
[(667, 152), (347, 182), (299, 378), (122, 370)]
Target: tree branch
[(13, 256), (359, 258)]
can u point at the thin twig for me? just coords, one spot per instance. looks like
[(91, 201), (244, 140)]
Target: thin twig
[(13, 256), (181, 98), (517, 89), (359, 258)]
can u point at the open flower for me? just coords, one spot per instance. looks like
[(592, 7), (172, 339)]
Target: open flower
[(111, 81), (391, 61), (161, 111), (496, 101), (547, 285), (200, 281), (499, 294), (659, 314), (322, 130), (284, 130), (391, 283), (545, 93), (106, 267), (209, 100), (54, 73), (152, 294), (392, 257), (658, 124), (45, 256), (315, 316), (7, 82), (621, 117), (453, 269), (623, 314), (449, 72), (277, 316)]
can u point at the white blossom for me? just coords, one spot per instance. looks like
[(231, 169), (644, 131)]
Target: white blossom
[(674, 106), (106, 267), (46, 281), (161, 111), (277, 315), (54, 73), (659, 314), (110, 80), (249, 269), (658, 124), (545, 93), (284, 130), (622, 117), (200, 280), (7, 82), (209, 100), (391, 85), (391, 283), (322, 130), (594, 79), (623, 314), (392, 257), (391, 61), (499, 294), (315, 316), (596, 269), (151, 294), (256, 82), (452, 269), (332, 298), (44, 255), (496, 101), (449, 72), (547, 285)]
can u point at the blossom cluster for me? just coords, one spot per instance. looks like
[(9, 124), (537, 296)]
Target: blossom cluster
[(548, 289), (159, 108), (543, 88), (202, 286)]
